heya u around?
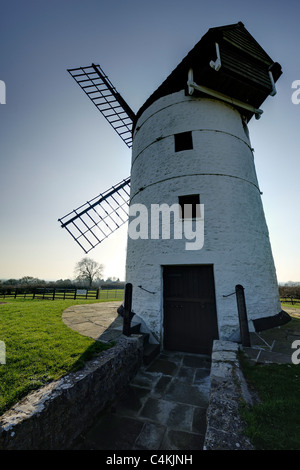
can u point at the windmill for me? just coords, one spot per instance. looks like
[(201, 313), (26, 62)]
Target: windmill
[(190, 145), (98, 218)]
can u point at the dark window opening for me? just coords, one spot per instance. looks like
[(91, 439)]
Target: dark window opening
[(183, 141), (190, 206)]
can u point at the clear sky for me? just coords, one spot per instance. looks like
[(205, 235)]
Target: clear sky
[(56, 149)]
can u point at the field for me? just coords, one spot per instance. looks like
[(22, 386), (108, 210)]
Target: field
[(39, 347), (274, 423)]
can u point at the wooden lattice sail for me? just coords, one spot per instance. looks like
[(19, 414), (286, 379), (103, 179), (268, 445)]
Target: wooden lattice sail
[(98, 218), (106, 98)]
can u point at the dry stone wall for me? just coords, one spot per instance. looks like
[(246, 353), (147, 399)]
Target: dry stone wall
[(53, 416)]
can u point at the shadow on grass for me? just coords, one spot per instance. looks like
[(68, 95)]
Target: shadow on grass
[(91, 352)]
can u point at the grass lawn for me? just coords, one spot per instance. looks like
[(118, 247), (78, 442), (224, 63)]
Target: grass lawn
[(39, 347), (290, 305), (274, 423)]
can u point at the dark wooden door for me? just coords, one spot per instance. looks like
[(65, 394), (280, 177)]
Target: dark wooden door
[(190, 316)]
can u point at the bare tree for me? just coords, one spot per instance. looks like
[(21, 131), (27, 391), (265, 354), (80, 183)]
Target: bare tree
[(87, 270)]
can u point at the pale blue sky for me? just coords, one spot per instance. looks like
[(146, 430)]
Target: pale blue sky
[(57, 151)]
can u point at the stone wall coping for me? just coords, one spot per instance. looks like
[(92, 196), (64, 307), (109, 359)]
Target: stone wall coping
[(228, 389)]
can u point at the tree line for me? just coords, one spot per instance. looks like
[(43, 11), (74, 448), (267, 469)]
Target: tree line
[(292, 291), (33, 282), (87, 275)]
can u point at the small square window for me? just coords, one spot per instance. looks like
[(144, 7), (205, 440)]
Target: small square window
[(183, 141), (190, 206)]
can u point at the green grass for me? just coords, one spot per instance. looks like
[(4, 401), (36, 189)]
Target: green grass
[(112, 294), (274, 423), (289, 304), (39, 347)]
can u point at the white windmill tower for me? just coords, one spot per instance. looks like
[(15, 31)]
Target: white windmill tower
[(191, 149)]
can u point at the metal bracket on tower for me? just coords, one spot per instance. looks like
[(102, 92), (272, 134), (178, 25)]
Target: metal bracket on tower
[(208, 91), (217, 63), (273, 92), (190, 82)]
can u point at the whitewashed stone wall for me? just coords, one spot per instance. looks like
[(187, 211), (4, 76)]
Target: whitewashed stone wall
[(220, 168)]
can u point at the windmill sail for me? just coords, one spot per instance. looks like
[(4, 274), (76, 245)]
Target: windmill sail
[(105, 97), (98, 218)]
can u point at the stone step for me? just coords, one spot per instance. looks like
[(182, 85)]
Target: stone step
[(135, 328), (150, 350), (150, 353)]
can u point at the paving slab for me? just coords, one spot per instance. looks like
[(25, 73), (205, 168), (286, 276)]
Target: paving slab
[(274, 345), (160, 410), (150, 437), (99, 321), (180, 440), (112, 432)]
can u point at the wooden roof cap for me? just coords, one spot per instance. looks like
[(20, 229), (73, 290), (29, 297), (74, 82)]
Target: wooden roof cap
[(235, 43)]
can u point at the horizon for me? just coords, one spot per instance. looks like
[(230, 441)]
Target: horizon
[(102, 279)]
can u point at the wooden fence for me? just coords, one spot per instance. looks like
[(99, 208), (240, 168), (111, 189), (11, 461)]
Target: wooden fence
[(105, 293), (290, 300), (49, 293)]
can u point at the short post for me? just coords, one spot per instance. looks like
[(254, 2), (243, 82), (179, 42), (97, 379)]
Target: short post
[(98, 293), (127, 309), (242, 311)]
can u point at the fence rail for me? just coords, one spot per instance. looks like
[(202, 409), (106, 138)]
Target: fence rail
[(49, 293), (53, 293), (290, 300)]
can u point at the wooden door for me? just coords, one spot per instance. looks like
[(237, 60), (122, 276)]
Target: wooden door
[(190, 317)]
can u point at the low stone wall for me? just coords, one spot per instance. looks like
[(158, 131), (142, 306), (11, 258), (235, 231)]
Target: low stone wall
[(53, 416), (227, 391)]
